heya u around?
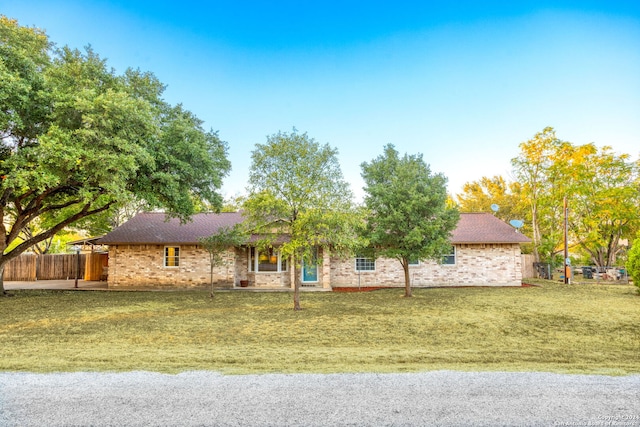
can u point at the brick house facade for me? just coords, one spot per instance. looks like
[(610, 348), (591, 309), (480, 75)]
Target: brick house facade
[(474, 265), (143, 266), (150, 252)]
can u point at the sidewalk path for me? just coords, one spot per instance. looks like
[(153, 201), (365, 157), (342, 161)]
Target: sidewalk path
[(56, 284)]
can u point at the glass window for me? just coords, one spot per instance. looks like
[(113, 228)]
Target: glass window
[(252, 259), (268, 260), (265, 261), (450, 258), (414, 262), (365, 264), (171, 256)]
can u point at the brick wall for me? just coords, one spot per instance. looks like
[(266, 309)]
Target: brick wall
[(242, 265), (270, 279), (476, 265), (287, 279), (143, 266)]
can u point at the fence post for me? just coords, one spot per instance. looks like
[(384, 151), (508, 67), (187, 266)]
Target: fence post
[(77, 250)]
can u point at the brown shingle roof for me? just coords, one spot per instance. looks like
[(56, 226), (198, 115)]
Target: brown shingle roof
[(485, 228), (153, 228)]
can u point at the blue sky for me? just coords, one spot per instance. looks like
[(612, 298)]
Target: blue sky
[(461, 82)]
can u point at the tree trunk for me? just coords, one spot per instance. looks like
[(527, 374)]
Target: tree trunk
[(598, 258), (211, 278), (407, 278), (613, 248), (296, 288), (536, 233), (2, 291)]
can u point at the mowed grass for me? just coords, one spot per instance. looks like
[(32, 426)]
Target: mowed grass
[(553, 328)]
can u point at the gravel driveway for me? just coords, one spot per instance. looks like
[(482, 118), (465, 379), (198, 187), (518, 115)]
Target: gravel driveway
[(440, 398)]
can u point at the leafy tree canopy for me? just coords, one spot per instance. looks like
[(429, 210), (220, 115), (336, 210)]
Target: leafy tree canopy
[(78, 140), (297, 188), (408, 217), (218, 245), (604, 195), (542, 191), (633, 262), (478, 196), (602, 189)]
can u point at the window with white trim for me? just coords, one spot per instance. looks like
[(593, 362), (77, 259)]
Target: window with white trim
[(414, 262), (365, 264), (266, 261), (450, 258), (172, 256)]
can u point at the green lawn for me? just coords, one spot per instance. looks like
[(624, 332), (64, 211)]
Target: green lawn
[(559, 328)]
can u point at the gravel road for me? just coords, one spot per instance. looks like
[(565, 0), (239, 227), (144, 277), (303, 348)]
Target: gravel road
[(440, 398)]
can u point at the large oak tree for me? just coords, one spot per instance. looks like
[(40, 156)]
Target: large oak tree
[(77, 139)]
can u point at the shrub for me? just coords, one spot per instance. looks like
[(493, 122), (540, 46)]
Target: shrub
[(633, 262)]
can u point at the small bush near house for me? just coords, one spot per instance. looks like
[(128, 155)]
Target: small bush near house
[(633, 263)]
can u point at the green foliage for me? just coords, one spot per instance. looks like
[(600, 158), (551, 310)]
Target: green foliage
[(219, 243), (188, 166), (233, 203), (408, 217), (602, 189), (102, 223), (24, 98), (478, 196), (56, 244), (542, 191), (77, 140), (633, 263), (225, 238), (297, 188), (604, 196)]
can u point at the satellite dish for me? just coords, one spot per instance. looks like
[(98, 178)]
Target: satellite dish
[(495, 207), (516, 223)]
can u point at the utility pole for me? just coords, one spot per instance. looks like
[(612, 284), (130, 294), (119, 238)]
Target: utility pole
[(567, 261)]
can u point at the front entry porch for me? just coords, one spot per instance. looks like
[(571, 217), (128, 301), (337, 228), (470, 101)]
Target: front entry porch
[(267, 270)]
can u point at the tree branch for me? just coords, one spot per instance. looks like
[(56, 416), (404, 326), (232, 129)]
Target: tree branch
[(37, 201), (23, 221), (86, 211)]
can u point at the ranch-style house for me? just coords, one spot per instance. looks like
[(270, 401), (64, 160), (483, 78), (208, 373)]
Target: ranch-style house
[(150, 251)]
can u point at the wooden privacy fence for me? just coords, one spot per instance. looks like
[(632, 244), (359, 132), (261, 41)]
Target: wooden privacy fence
[(96, 266), (29, 267), (527, 266)]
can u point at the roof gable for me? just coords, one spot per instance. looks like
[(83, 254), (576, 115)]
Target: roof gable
[(485, 228), (154, 228)]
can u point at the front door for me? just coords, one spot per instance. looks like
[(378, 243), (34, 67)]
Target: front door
[(310, 270)]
